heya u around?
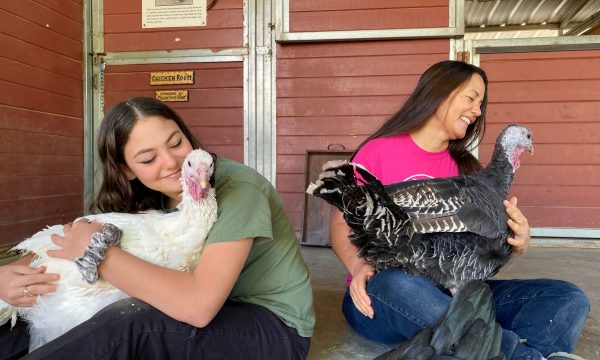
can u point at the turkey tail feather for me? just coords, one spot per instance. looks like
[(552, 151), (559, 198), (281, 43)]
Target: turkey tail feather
[(376, 221)]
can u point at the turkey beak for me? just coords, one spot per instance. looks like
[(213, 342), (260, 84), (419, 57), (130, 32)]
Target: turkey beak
[(530, 148), (203, 177)]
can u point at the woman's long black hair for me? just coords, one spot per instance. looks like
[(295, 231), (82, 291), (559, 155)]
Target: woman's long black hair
[(434, 86), (117, 193)]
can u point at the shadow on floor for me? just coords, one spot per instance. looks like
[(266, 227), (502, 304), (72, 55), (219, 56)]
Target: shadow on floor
[(334, 340)]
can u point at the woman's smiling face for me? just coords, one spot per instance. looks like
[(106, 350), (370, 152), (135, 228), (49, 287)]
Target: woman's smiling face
[(461, 108)]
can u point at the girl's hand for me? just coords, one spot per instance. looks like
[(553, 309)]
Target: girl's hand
[(76, 240), (519, 226), (361, 274), (22, 284)]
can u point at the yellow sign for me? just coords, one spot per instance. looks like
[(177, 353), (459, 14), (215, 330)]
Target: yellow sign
[(172, 95), (172, 77)]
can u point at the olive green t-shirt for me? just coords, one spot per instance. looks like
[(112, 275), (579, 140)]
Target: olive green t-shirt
[(274, 275)]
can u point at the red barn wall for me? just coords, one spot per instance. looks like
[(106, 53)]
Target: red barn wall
[(123, 29), (41, 112), (215, 108), (556, 95), (330, 15), (339, 93)]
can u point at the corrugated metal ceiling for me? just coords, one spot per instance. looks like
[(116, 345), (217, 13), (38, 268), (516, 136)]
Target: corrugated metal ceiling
[(530, 18)]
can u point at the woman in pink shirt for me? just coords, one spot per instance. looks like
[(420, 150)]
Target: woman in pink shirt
[(427, 138)]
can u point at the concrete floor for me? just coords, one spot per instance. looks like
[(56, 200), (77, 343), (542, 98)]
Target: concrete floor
[(334, 340)]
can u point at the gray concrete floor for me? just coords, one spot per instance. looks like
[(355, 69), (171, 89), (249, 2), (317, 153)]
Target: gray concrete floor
[(334, 340)]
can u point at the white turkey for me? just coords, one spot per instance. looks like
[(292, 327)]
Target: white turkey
[(173, 240), (451, 230)]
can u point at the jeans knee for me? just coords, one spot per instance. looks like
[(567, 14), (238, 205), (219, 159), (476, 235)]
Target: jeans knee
[(573, 298)]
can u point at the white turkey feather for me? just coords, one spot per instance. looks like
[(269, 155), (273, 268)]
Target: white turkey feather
[(172, 240)]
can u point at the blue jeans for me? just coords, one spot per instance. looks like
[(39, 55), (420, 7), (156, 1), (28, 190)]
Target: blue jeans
[(548, 314)]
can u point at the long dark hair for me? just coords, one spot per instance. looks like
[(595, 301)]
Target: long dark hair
[(117, 193), (434, 86)]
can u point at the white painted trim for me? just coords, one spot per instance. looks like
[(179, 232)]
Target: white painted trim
[(566, 233), (175, 56), (565, 243), (88, 109), (321, 36), (536, 44)]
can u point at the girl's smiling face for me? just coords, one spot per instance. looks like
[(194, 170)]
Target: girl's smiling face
[(154, 153)]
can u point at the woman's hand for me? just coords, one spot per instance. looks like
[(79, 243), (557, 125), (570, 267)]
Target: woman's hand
[(76, 240), (361, 274), (519, 226), (22, 284)]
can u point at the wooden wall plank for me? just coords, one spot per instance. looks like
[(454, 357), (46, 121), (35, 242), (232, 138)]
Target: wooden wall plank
[(345, 86), (341, 106), (17, 231), (31, 208), (19, 142), (40, 79), (41, 122), (23, 96), (12, 187), (18, 165), (321, 5), (212, 116), (562, 217), (544, 91), (365, 49), (360, 15), (542, 112), (329, 125), (562, 69), (174, 40), (71, 9), (371, 19)]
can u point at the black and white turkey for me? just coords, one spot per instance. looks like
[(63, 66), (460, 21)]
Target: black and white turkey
[(173, 240), (451, 230)]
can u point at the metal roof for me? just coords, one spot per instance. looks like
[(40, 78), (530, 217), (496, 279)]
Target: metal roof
[(530, 18)]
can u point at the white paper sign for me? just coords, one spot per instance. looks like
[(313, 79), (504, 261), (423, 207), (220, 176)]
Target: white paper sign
[(173, 13)]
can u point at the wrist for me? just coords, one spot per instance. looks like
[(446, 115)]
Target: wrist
[(96, 252)]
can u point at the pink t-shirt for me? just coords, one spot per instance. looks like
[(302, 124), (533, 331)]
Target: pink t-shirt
[(396, 159), (399, 158)]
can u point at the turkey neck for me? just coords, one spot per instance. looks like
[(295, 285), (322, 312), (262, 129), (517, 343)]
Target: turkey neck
[(498, 173)]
